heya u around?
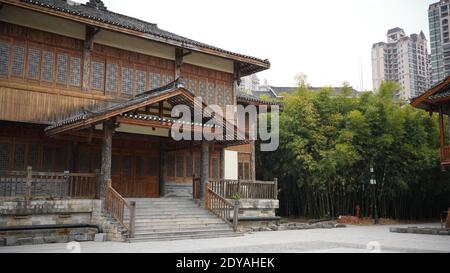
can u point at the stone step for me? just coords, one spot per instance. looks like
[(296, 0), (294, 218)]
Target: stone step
[(179, 221), (176, 229), (182, 237)]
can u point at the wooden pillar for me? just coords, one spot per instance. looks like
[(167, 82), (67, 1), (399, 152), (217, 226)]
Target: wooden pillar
[(253, 160), (108, 131), (204, 172), (162, 182), (178, 62), (87, 55), (237, 80), (222, 163)]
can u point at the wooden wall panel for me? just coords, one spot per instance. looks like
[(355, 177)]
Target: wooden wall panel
[(36, 107)]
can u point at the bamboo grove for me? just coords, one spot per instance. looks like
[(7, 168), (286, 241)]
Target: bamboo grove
[(328, 144)]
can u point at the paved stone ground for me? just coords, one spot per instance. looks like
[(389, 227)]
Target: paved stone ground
[(353, 239)]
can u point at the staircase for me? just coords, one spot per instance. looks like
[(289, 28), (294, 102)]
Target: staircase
[(175, 218)]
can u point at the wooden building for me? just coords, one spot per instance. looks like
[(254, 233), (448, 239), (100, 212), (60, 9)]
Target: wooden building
[(88, 92), (437, 100)]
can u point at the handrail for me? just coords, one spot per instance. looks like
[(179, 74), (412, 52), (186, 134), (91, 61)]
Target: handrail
[(37, 184), (115, 204), (221, 207), (245, 189)]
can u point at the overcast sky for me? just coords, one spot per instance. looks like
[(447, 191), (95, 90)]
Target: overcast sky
[(328, 40)]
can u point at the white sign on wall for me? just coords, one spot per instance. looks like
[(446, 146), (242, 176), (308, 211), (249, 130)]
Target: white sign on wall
[(231, 165)]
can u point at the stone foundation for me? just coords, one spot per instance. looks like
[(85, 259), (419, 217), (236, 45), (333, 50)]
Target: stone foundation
[(85, 214), (257, 209)]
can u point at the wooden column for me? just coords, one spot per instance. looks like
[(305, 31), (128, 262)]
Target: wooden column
[(162, 182), (178, 62), (108, 131), (204, 172), (88, 46), (222, 163), (253, 160), (237, 80)]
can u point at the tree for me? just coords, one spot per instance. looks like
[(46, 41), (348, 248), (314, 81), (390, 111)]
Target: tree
[(328, 144)]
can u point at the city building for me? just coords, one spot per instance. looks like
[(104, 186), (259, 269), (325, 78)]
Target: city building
[(438, 16), (403, 59), (249, 83)]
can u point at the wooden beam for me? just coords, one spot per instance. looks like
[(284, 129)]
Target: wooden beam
[(162, 154)]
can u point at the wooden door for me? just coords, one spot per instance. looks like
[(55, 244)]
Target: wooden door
[(136, 174)]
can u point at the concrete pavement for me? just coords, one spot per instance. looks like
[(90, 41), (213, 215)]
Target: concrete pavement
[(353, 239)]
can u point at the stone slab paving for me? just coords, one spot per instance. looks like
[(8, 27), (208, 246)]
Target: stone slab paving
[(353, 239)]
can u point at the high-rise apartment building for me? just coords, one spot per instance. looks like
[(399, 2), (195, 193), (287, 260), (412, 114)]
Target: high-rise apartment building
[(403, 59), (438, 16)]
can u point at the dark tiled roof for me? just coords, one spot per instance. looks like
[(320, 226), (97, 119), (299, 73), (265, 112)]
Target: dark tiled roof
[(103, 15), (290, 90), (115, 106), (244, 97), (259, 94)]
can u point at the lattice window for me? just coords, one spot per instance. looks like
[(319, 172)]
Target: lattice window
[(47, 159), (141, 81), (152, 166), (97, 162), (228, 96), (202, 87), (60, 159), (19, 157), (156, 80), (115, 165), (192, 86), (215, 168), (127, 80), (171, 165), (180, 165), (34, 58), (84, 162), (167, 79), (33, 156), (98, 75), (62, 63), (4, 156), (126, 166), (139, 166), (220, 95), (112, 77), (189, 165), (75, 71), (18, 60), (4, 59), (211, 94), (48, 60)]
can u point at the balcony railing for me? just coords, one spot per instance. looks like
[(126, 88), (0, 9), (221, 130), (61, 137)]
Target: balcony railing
[(45, 185)]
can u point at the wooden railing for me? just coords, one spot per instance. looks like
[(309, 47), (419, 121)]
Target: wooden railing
[(222, 207), (29, 184), (115, 204), (245, 189)]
